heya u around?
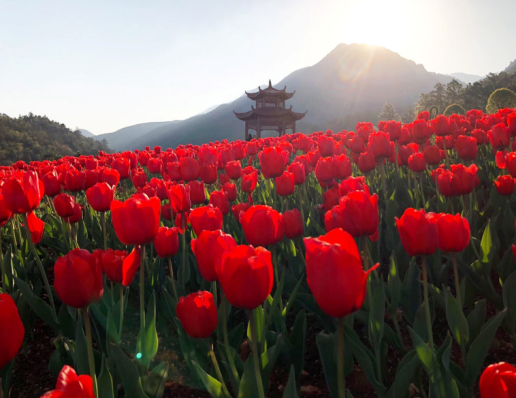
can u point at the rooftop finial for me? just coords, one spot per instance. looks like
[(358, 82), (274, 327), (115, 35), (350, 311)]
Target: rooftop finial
[(270, 85)]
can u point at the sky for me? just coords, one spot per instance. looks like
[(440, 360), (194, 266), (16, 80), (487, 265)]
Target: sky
[(102, 65)]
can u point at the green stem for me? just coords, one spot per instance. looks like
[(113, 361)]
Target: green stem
[(183, 276), (457, 282), (121, 289), (39, 265), (219, 374), (427, 306), (142, 288), (91, 358), (275, 195), (275, 263), (422, 190), (172, 278), (301, 207), (341, 378), (226, 339), (15, 244), (384, 183), (256, 354), (103, 216)]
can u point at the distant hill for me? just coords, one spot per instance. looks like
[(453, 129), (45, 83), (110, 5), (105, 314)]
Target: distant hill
[(119, 139), (33, 137), (86, 133), (466, 77), (350, 84), (511, 68)]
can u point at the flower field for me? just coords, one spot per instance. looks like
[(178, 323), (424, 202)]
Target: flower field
[(395, 239)]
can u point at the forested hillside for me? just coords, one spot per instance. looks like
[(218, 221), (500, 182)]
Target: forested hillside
[(33, 137)]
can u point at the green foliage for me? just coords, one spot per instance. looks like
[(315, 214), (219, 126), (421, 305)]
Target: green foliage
[(501, 98), (32, 137), (454, 109), (388, 113)]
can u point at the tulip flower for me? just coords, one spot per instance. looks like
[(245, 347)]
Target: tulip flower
[(272, 161), (166, 242), (366, 162), (324, 170), (23, 192), (208, 249), (123, 166), (136, 221), (70, 385), (198, 314), (466, 147), (64, 205), (111, 176), (352, 184), (5, 213), (239, 208), (342, 167), (416, 162), (499, 136), (100, 196), (139, 178), (498, 381), (111, 262), (179, 196), (78, 278), (36, 227), (51, 183), (233, 169), (298, 169), (231, 190), (292, 223), (432, 154), (190, 169), (379, 145), (208, 173), (249, 181), (246, 276), (220, 200), (285, 184), (206, 218), (12, 331), (504, 185), (262, 225), (197, 192)]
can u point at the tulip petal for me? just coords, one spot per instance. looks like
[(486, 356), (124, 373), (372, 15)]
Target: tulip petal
[(130, 266)]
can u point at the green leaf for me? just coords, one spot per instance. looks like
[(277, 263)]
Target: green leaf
[(411, 293), (456, 320), (38, 305), (394, 285), (326, 344), (426, 357), (81, 350), (405, 373), (147, 344), (308, 302), (128, 373), (212, 385), (290, 389), (259, 320), (156, 381), (236, 335), (105, 382), (477, 319), (509, 301), (486, 245), (478, 349), (444, 353), (377, 316), (248, 387), (419, 325), (297, 343)]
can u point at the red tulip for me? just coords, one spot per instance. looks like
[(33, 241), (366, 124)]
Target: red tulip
[(139, 178), (466, 147), (432, 154), (246, 276), (76, 216), (92, 177), (352, 184), (421, 131), (130, 266), (190, 169), (342, 167), (272, 161), (74, 180), (5, 213), (206, 218), (51, 182), (357, 214), (481, 136), (136, 221), (111, 262), (453, 233), (379, 145), (231, 190), (11, 330), (298, 169), (498, 381), (100, 196), (166, 212), (111, 176), (166, 242), (499, 136), (198, 314), (174, 171), (292, 223), (70, 385), (64, 205), (233, 169), (285, 184), (78, 278), (249, 181), (36, 227), (504, 185), (335, 274), (179, 196), (123, 166), (208, 173), (154, 165), (441, 125), (220, 200), (324, 170), (393, 128), (208, 249), (366, 162), (238, 208), (416, 162), (197, 192), (262, 225), (23, 192), (418, 232)]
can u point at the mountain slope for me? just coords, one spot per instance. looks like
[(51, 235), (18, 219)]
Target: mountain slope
[(350, 84), (118, 139), (466, 77), (33, 137), (86, 133), (511, 68)]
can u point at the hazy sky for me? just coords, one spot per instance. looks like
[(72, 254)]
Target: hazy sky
[(105, 64)]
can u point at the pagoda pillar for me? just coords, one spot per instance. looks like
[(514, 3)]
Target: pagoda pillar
[(283, 126), (246, 130), (258, 128), (294, 127)]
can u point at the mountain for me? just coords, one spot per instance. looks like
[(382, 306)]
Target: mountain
[(33, 137), (119, 139), (350, 84), (466, 77), (86, 133), (511, 68)]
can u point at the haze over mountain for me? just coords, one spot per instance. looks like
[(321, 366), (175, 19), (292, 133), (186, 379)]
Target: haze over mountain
[(466, 77), (511, 68), (119, 139), (350, 84), (86, 133)]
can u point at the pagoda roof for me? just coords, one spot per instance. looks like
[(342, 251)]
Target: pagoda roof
[(270, 92), (269, 112)]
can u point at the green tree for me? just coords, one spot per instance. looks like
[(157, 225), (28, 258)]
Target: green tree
[(454, 108), (453, 92), (388, 113), (501, 98), (409, 115)]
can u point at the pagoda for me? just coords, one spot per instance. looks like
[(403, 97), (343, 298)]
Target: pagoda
[(269, 113)]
